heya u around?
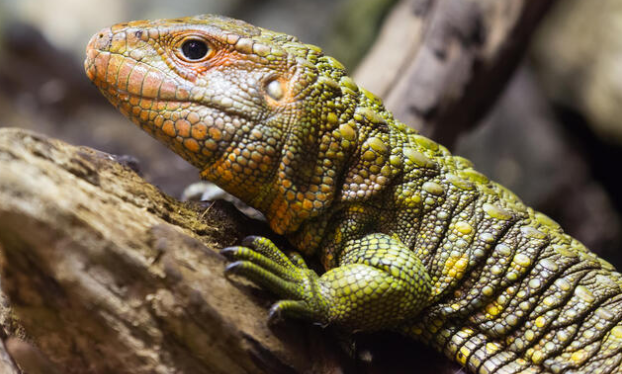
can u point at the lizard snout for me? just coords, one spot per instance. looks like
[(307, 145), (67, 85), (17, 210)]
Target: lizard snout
[(100, 41)]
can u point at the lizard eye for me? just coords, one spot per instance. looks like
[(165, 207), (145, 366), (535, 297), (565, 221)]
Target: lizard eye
[(195, 49)]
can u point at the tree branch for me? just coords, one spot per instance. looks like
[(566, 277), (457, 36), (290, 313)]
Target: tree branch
[(439, 65)]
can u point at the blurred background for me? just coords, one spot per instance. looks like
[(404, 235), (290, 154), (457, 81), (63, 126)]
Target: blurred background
[(554, 137)]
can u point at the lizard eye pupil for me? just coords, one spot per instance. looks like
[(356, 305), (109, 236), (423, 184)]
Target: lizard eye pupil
[(194, 49)]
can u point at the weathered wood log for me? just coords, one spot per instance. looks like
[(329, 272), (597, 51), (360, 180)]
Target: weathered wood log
[(439, 65), (107, 274)]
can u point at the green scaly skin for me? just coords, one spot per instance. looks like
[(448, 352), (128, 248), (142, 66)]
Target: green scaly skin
[(413, 239)]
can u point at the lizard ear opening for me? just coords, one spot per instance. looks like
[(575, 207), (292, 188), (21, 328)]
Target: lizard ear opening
[(274, 89)]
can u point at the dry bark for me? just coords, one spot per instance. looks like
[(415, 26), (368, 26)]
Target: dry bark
[(107, 274)]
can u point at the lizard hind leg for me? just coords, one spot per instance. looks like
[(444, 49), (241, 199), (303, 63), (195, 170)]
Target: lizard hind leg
[(379, 282)]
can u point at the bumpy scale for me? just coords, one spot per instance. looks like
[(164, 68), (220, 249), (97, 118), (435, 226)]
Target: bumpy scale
[(413, 239)]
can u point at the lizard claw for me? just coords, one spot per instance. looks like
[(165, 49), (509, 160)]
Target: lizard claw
[(229, 252), (233, 267), (293, 309), (249, 240), (274, 315)]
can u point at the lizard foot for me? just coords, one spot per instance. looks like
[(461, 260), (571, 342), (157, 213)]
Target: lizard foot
[(378, 283), (260, 260)]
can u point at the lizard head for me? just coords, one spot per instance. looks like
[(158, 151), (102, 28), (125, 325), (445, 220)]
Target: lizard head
[(258, 112)]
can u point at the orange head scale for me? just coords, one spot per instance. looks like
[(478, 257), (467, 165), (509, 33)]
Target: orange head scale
[(258, 112)]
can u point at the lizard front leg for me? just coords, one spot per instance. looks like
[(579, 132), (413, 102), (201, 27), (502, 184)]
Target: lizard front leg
[(378, 283)]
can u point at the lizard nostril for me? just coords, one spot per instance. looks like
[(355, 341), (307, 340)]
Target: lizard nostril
[(101, 41)]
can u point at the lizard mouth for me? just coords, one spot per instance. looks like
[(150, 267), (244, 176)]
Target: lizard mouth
[(114, 72)]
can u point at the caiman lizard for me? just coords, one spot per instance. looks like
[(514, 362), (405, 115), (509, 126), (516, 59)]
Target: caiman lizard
[(412, 238)]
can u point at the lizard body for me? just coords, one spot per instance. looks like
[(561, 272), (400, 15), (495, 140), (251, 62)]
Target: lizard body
[(413, 239)]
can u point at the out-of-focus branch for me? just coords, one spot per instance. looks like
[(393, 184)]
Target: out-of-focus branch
[(440, 64)]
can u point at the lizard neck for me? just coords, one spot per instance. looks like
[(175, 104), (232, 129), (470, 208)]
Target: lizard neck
[(318, 169)]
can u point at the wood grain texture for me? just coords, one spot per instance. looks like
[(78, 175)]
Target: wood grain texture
[(109, 275)]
